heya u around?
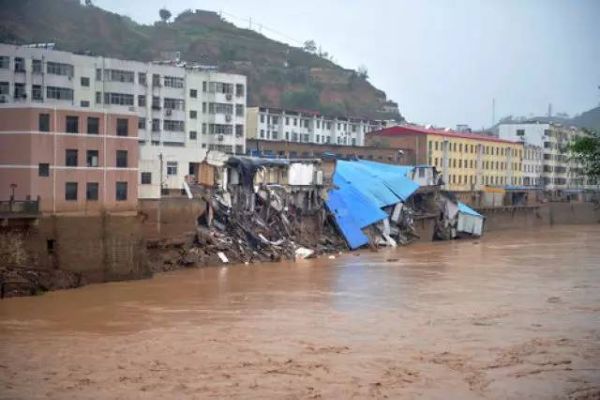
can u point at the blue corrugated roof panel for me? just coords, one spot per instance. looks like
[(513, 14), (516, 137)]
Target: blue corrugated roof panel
[(394, 177), (366, 181), (465, 209)]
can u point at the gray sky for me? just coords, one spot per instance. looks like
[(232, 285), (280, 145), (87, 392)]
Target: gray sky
[(443, 61)]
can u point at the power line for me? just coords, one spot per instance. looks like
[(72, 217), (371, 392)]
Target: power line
[(262, 26)]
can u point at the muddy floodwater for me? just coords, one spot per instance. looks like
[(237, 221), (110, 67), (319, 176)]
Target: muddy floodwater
[(514, 315)]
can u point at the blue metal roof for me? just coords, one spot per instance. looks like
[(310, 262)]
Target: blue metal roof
[(465, 209), (363, 188)]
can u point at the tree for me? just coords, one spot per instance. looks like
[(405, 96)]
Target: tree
[(88, 3), (165, 14), (310, 46), (586, 149)]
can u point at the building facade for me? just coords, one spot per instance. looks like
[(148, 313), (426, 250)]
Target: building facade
[(273, 148), (306, 127), (69, 159), (172, 102), (532, 165), (558, 170), (466, 161)]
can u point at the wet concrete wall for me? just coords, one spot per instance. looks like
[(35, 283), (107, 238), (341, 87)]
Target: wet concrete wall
[(169, 217), (96, 248), (539, 216)]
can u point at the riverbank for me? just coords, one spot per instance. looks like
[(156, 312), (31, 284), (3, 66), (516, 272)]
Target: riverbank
[(84, 249), (513, 315)]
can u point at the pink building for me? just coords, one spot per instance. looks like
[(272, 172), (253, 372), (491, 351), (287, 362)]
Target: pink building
[(72, 160)]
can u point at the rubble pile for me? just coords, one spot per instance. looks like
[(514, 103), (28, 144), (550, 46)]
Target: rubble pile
[(263, 210)]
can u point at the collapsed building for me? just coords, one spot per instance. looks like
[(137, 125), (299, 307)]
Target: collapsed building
[(375, 204), (267, 209)]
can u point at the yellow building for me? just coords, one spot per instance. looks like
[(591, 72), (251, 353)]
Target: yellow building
[(467, 161)]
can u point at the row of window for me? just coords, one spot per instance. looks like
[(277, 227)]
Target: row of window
[(341, 126), (72, 124), (72, 158), (52, 92), (471, 148), (53, 68), (487, 180), (460, 163), (92, 189)]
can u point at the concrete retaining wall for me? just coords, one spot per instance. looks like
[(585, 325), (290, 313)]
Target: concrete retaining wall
[(538, 216), (169, 217)]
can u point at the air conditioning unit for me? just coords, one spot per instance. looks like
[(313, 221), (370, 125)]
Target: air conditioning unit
[(131, 108), (168, 111), (220, 137), (228, 96), (228, 117)]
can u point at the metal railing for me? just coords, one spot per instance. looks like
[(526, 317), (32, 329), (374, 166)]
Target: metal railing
[(19, 207)]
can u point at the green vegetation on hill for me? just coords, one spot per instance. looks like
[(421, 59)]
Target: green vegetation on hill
[(279, 75)]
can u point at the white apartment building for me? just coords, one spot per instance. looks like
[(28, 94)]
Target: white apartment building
[(558, 171), (306, 127), (183, 111), (532, 165)]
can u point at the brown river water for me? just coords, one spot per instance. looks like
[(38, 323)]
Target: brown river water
[(513, 315)]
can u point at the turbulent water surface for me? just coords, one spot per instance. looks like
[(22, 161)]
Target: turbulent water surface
[(514, 315)]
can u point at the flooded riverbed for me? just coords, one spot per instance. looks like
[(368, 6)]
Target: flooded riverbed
[(514, 315)]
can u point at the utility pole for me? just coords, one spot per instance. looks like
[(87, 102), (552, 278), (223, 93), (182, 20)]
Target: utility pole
[(493, 111)]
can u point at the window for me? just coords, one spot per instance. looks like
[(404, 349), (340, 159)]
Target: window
[(20, 91), (204, 86), (72, 124), (4, 62), (193, 114), (173, 104), (98, 98), (84, 103), (85, 81), (171, 167), (93, 125), (121, 158), (172, 125), (142, 78), (141, 100), (193, 135), (193, 93), (146, 178), (71, 191), (36, 66), (117, 75), (155, 80), (59, 68), (121, 191), (91, 191), (19, 64), (59, 93), (239, 90), (156, 125), (4, 88), (141, 123), (262, 118), (239, 131), (155, 103), (121, 99), (71, 157), (43, 169), (44, 122), (520, 132), (122, 127), (204, 128), (174, 82), (98, 74), (92, 158), (239, 111)]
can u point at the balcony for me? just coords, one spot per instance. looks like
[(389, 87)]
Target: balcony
[(22, 209), (173, 137)]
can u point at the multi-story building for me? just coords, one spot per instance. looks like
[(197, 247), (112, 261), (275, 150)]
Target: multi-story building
[(68, 158), (558, 171), (532, 165), (276, 124), (467, 161), (173, 104), (275, 148)]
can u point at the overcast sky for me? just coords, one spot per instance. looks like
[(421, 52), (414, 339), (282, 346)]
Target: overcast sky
[(443, 61)]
